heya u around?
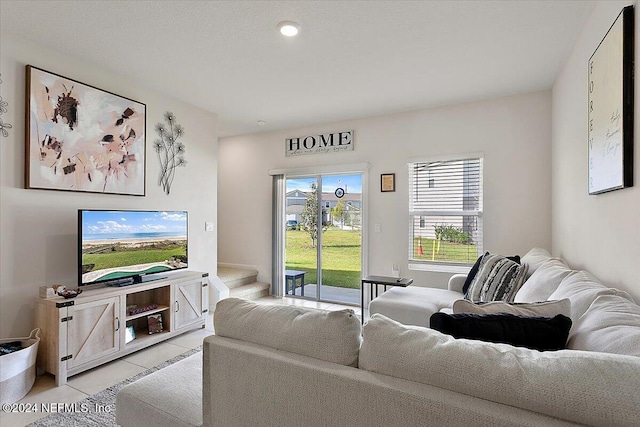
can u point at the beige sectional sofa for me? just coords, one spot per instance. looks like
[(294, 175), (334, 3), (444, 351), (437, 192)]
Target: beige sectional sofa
[(604, 319), (274, 365)]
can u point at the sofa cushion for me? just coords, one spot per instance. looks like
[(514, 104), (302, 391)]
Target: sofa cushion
[(582, 288), (476, 267), (534, 259), (610, 325), (539, 333), (546, 279), (544, 309), (498, 279), (157, 400), (583, 387), (413, 305), (333, 336)]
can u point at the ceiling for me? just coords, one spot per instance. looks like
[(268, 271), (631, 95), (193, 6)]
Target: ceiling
[(351, 59)]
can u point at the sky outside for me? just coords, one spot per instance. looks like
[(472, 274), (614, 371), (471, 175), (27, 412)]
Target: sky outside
[(95, 222), (350, 183)]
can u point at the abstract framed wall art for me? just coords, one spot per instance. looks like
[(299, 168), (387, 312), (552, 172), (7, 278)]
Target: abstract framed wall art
[(610, 107), (81, 138)]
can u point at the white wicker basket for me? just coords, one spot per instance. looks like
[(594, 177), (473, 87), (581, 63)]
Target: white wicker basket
[(18, 369)]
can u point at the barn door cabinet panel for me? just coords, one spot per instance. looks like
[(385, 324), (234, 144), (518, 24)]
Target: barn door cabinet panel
[(190, 302), (98, 325)]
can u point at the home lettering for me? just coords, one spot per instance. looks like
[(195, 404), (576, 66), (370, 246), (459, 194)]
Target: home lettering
[(324, 143)]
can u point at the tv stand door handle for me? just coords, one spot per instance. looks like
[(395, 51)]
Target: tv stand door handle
[(177, 306), (117, 324)]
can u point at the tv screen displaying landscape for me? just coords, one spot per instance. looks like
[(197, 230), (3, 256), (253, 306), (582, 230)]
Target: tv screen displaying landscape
[(116, 245)]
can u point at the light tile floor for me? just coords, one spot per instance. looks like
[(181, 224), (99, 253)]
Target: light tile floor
[(82, 385)]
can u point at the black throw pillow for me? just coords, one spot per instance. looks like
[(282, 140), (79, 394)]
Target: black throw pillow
[(538, 333), (476, 267)]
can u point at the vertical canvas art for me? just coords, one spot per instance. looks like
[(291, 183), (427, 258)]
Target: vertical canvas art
[(80, 138), (610, 107)]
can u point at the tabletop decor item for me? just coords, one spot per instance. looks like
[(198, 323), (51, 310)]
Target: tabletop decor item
[(170, 151), (610, 107), (70, 293), (154, 321), (81, 138)]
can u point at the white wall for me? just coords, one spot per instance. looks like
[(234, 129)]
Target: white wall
[(598, 233), (38, 227), (514, 133)]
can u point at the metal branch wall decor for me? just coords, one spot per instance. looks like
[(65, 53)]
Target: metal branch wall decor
[(3, 109), (170, 151)]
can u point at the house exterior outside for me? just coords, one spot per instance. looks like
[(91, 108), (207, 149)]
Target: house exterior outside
[(296, 199)]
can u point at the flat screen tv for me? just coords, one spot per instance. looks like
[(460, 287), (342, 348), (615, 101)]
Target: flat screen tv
[(121, 247)]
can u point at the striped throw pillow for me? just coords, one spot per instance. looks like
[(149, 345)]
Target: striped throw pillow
[(498, 279)]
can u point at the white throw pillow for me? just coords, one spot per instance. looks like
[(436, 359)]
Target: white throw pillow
[(534, 259), (542, 309), (544, 281), (333, 336), (582, 387), (610, 325), (582, 288)]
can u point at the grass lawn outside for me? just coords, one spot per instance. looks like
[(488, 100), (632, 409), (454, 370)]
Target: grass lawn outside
[(341, 256), (131, 257), (445, 252)]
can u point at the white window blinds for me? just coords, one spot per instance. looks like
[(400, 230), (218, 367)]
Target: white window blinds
[(445, 211)]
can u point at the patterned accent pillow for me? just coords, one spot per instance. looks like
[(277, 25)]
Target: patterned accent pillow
[(476, 266), (498, 279)]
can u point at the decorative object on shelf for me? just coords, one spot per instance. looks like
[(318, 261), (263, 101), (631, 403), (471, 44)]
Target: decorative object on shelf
[(155, 323), (137, 310), (170, 151), (47, 292), (69, 293), (81, 138), (610, 107), (387, 182), (3, 109), (129, 334)]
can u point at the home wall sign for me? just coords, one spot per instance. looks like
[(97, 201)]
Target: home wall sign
[(80, 138), (315, 144), (610, 107)]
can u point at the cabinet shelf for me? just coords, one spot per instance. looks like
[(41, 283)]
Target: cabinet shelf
[(144, 339), (146, 313)]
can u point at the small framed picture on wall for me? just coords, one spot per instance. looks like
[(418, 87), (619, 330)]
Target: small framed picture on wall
[(387, 182)]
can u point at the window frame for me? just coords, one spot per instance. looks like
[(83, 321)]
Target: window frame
[(443, 266)]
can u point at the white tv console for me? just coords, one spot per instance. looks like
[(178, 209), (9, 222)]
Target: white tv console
[(86, 331)]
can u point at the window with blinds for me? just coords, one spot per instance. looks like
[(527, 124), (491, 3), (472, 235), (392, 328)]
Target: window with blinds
[(445, 212)]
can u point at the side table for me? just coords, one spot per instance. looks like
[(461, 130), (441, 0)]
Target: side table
[(291, 276), (379, 280)]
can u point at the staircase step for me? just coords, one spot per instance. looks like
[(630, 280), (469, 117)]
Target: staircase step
[(250, 291), (235, 277)]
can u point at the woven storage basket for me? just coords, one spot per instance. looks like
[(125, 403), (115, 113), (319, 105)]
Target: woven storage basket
[(18, 369)]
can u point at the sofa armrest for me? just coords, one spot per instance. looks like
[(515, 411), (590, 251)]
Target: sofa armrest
[(456, 282)]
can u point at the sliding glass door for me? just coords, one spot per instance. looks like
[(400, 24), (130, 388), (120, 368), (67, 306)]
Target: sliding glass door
[(323, 237)]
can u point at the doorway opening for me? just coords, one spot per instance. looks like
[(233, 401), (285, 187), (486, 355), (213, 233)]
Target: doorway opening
[(323, 237)]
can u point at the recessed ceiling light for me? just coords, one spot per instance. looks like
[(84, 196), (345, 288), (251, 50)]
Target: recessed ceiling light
[(288, 28)]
